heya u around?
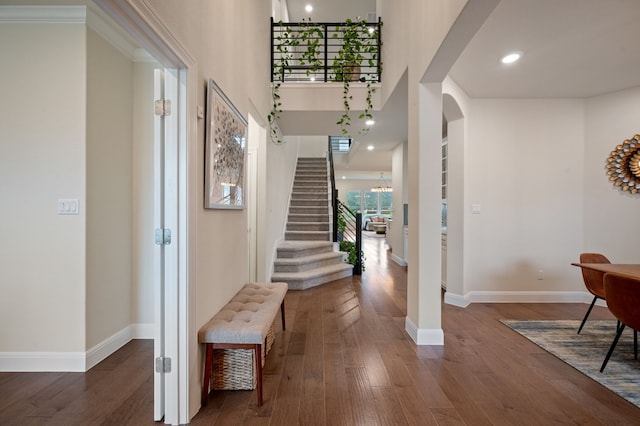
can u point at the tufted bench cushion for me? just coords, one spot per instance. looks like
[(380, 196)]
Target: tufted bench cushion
[(243, 323), (247, 317)]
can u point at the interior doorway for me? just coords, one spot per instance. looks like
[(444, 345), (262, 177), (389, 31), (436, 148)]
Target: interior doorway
[(453, 199), (178, 154)]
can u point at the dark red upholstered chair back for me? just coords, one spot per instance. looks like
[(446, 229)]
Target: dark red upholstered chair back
[(623, 299), (593, 280)]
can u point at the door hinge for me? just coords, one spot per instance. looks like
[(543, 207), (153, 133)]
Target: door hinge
[(163, 365), (163, 236), (163, 107)]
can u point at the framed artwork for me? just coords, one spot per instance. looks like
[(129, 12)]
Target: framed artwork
[(225, 152)]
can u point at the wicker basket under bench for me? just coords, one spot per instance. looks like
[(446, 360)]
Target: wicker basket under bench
[(243, 327)]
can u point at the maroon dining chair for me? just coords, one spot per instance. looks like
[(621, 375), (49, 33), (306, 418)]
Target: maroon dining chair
[(593, 280), (623, 299)]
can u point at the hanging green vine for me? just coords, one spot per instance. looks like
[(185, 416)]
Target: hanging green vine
[(359, 44), (301, 47), (294, 47)]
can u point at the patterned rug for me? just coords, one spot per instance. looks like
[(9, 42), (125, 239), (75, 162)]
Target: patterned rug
[(586, 351)]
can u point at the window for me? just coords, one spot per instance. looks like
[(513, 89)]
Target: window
[(386, 202), (353, 201), (369, 202)]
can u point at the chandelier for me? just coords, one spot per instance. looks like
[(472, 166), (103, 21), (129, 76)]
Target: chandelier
[(382, 185)]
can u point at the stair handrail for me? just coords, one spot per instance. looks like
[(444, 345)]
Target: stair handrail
[(334, 193), (340, 210)]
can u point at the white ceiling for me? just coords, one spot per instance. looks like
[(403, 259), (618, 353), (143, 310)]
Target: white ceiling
[(571, 49)]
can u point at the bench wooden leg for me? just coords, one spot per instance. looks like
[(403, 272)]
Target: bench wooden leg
[(282, 313), (257, 349), (208, 361)]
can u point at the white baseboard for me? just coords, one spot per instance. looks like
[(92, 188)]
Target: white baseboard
[(519, 297), (143, 331), (73, 361), (42, 361), (108, 346), (398, 260), (424, 336)]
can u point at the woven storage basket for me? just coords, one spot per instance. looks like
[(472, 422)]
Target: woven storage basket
[(234, 369)]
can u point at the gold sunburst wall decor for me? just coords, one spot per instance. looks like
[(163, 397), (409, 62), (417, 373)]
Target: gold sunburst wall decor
[(623, 165)]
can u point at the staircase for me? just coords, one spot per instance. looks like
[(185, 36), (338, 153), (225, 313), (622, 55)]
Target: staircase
[(306, 258)]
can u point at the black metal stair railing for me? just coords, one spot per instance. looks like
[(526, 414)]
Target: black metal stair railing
[(311, 51), (347, 225)]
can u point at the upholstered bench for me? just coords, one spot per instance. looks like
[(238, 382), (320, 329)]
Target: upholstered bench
[(243, 323)]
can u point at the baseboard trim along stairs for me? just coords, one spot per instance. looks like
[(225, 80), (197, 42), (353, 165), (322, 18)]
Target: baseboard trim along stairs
[(306, 258)]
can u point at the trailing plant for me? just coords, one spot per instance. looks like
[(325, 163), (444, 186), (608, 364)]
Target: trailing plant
[(298, 46), (358, 44), (301, 46), (350, 248)]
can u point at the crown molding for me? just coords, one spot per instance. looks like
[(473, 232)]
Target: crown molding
[(43, 14), (108, 32), (101, 25)]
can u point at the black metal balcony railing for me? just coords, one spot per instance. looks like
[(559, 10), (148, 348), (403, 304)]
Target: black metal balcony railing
[(316, 51)]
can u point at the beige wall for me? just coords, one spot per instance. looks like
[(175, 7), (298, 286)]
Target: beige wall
[(610, 215), (229, 42), (536, 167), (109, 194), (143, 246), (42, 159)]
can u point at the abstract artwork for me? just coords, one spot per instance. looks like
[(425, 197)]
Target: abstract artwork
[(225, 152)]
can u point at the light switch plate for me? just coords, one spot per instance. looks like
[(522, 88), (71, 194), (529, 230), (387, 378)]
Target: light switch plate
[(475, 208), (68, 206)]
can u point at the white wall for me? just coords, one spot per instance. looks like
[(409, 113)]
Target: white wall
[(42, 159), (279, 168), (536, 168), (523, 166), (395, 235), (525, 170), (345, 185), (109, 194), (312, 146), (143, 245), (611, 215)]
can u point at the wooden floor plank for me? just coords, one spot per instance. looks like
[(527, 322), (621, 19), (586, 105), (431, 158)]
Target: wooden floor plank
[(346, 359)]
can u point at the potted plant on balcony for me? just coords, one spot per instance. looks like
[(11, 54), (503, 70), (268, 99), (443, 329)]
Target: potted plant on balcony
[(300, 47), (359, 45), (295, 47)]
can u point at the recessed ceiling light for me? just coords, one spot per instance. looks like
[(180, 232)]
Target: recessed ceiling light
[(370, 147), (369, 122), (511, 58), (344, 177), (308, 8)]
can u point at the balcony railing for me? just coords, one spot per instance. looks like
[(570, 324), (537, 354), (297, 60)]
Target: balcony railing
[(321, 51)]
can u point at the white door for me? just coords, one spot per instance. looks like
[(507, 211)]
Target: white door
[(166, 253)]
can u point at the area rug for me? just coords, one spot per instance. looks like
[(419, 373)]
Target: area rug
[(586, 351)]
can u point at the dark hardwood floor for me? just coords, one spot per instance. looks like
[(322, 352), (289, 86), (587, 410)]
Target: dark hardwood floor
[(346, 360)]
